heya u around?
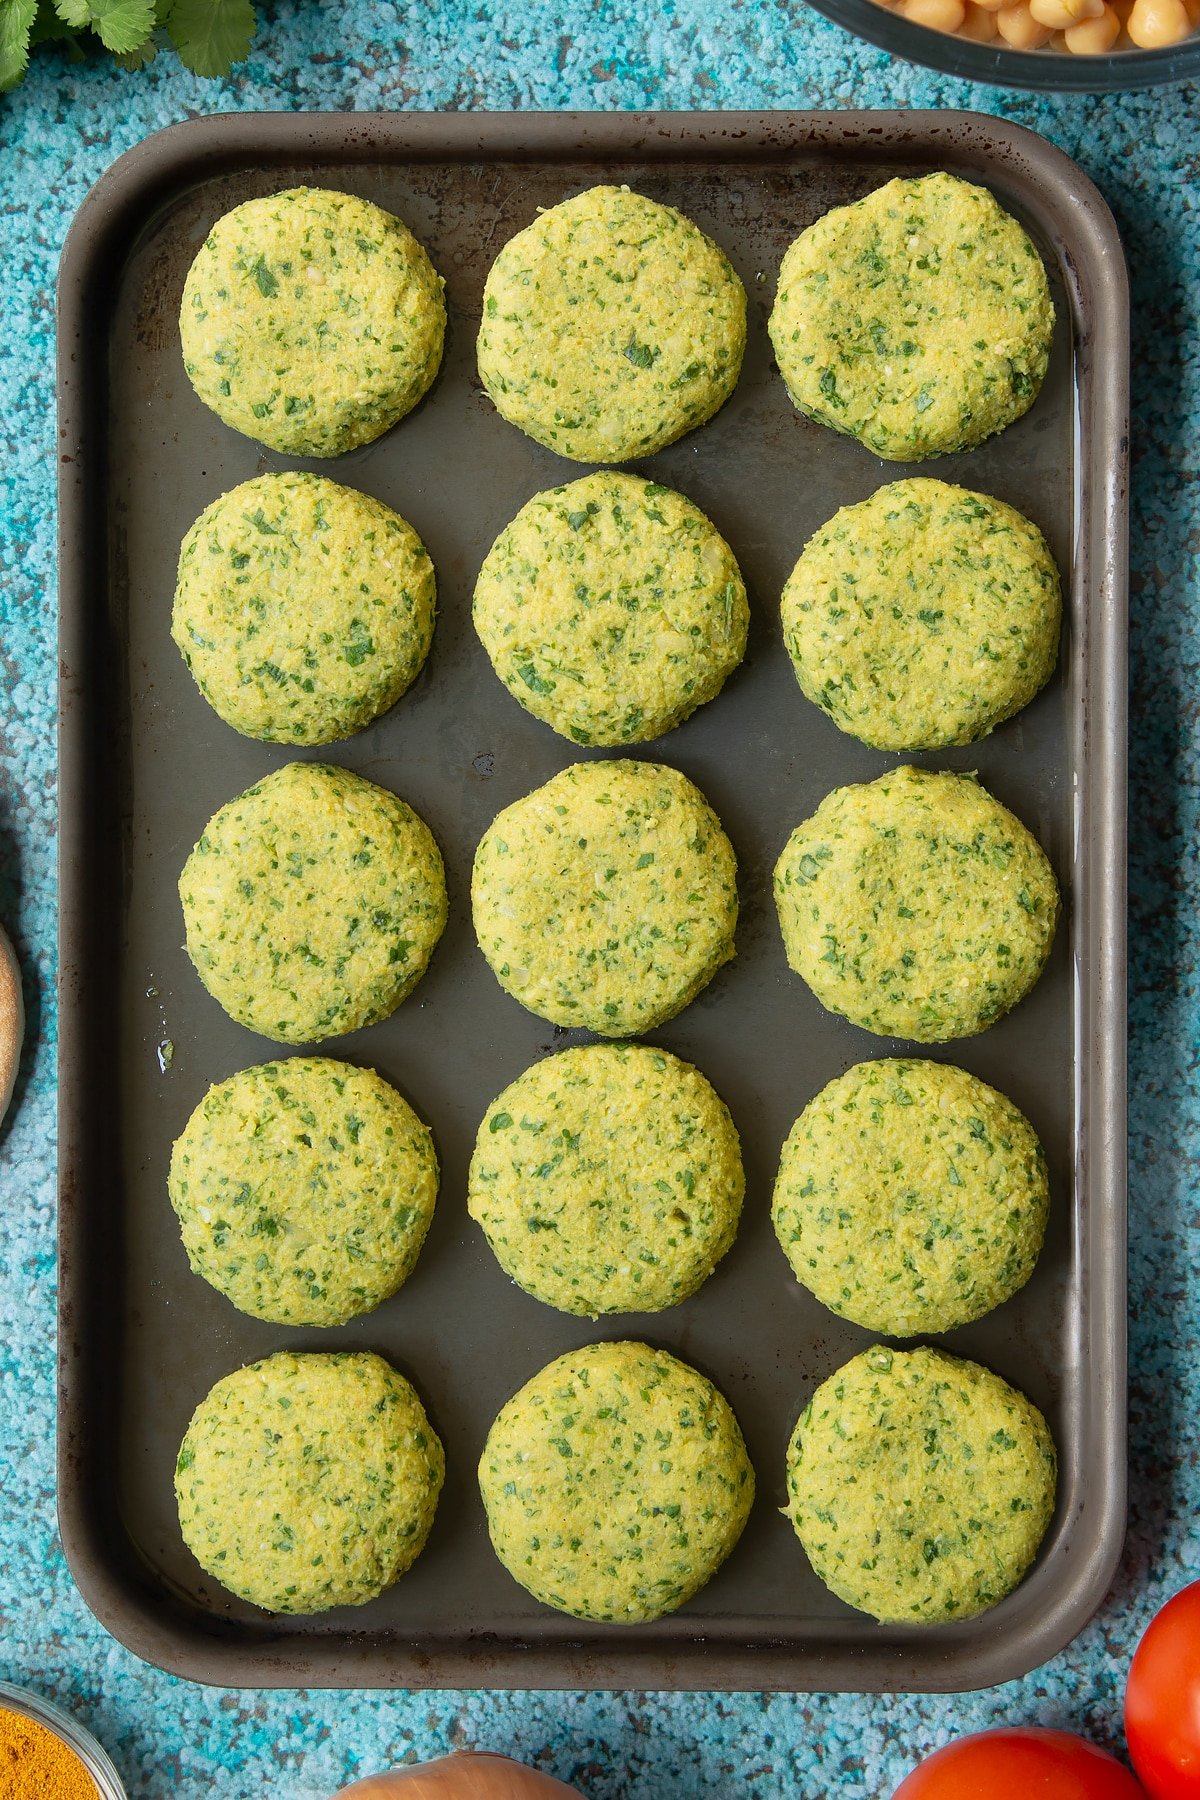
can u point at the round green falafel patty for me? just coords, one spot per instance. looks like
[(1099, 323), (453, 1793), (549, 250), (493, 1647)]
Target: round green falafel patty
[(916, 905), (923, 616), (918, 320), (911, 1197), (608, 1179), (616, 1483), (303, 609), (311, 321), (309, 1481), (312, 903), (606, 898), (611, 326), (304, 1190), (920, 1485), (611, 609)]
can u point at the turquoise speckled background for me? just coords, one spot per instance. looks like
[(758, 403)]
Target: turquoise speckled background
[(57, 134)]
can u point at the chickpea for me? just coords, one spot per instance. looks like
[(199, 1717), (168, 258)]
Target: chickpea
[(1018, 27), (979, 24), (1156, 23), (1081, 27), (1092, 37), (1060, 15), (938, 15)]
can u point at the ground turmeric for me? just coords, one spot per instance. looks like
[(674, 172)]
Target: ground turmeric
[(36, 1765)]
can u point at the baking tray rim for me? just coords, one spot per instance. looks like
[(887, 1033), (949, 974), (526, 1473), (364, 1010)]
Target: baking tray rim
[(185, 154)]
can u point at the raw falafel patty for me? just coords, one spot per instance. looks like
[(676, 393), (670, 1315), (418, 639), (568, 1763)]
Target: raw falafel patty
[(608, 1179), (611, 326), (923, 616), (920, 1485), (311, 321), (312, 903), (309, 1481), (304, 1190), (916, 905), (611, 609), (303, 609), (911, 1197), (918, 320), (616, 1483), (606, 898)]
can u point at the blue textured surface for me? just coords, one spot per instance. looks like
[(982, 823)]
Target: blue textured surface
[(57, 134)]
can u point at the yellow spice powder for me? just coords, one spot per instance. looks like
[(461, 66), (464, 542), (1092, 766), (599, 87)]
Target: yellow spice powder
[(37, 1765)]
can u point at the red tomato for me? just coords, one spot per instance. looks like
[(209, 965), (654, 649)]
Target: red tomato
[(1162, 1700), (1018, 1765)]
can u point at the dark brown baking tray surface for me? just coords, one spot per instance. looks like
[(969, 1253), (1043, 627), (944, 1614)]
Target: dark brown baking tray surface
[(144, 763)]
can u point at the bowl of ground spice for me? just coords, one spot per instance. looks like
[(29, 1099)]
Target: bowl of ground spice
[(45, 1755)]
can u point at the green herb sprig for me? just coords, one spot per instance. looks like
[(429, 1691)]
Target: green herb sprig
[(209, 36)]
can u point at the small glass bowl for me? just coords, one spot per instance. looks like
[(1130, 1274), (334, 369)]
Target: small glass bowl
[(1048, 71), (68, 1730)]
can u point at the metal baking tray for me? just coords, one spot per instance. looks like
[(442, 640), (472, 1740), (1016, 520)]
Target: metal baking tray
[(145, 762)]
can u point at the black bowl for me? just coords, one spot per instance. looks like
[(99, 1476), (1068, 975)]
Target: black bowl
[(1049, 71)]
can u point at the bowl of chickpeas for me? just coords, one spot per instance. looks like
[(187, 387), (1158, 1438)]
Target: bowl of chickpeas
[(1089, 45)]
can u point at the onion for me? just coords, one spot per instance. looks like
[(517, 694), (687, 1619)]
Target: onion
[(468, 1775)]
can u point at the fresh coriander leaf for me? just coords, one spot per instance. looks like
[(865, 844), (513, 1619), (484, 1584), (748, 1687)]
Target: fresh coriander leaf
[(537, 683), (642, 356), (16, 22), (828, 386), (122, 25), (265, 281), (357, 651), (75, 13), (141, 58), (211, 35)]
